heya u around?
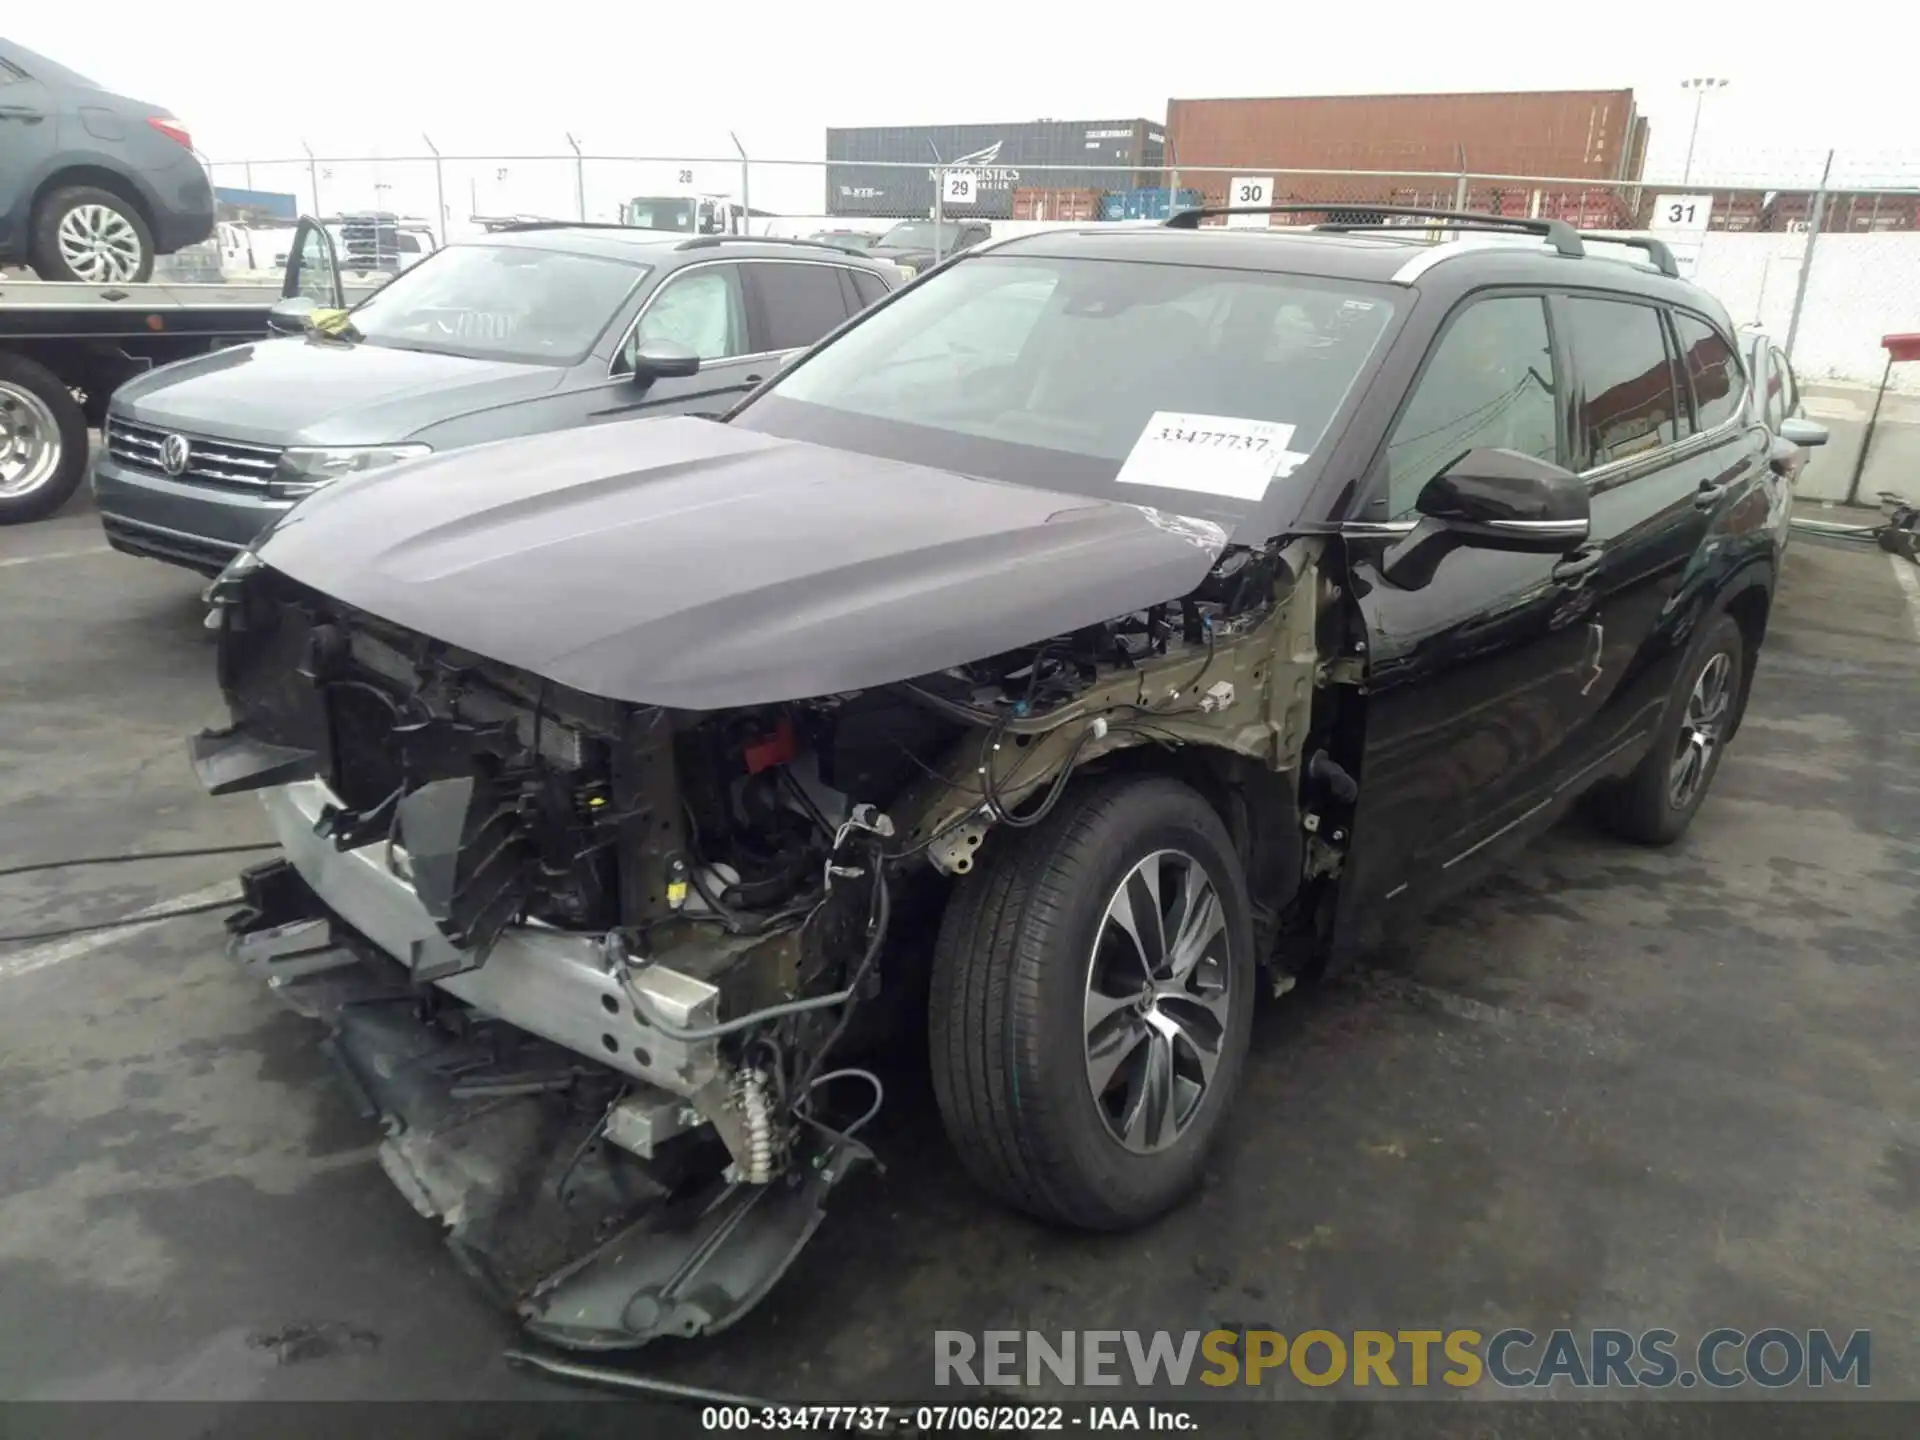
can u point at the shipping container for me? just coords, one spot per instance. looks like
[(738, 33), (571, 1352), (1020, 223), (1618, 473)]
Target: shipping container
[(1038, 203), (1157, 203), (1568, 134), (890, 170)]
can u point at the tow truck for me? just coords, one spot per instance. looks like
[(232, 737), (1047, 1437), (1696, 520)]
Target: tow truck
[(66, 346)]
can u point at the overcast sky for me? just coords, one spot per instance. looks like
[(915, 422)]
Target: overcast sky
[(667, 78)]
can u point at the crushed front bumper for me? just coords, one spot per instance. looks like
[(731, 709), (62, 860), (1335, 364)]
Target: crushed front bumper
[(547, 1130), (563, 987)]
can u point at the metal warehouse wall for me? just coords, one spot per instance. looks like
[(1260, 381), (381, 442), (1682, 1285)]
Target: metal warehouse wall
[(1583, 134), (995, 154)]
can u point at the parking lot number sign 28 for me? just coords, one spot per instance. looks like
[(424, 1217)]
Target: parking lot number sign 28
[(958, 187), (1249, 190)]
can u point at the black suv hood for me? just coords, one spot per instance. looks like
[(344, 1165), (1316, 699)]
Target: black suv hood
[(686, 563)]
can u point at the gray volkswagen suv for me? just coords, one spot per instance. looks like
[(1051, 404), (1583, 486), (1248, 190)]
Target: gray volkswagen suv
[(542, 327)]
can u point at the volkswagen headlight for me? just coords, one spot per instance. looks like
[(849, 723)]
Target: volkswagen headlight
[(304, 469)]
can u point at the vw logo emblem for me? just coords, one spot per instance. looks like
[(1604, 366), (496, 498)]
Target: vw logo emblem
[(174, 454)]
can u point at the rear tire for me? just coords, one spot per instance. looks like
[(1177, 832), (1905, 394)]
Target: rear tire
[(43, 441), (91, 235), (1655, 804), (1030, 947)]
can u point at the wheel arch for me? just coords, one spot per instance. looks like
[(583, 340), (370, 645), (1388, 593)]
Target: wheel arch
[(1259, 807), (99, 177), (1748, 599)]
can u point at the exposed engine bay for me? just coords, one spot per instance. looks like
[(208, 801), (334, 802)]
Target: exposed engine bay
[(593, 962)]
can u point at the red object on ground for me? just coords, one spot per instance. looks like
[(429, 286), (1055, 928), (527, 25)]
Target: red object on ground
[(1902, 347), (770, 750)]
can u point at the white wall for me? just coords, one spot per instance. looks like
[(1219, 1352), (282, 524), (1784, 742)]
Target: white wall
[(1861, 288)]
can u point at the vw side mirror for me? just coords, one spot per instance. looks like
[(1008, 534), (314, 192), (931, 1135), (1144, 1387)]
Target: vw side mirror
[(655, 359), (289, 316)]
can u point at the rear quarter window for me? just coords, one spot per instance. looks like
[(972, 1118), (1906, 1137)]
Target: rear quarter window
[(1713, 371)]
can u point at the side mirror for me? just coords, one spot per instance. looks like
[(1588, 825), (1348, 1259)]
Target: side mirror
[(289, 316), (1804, 433), (1505, 500), (1490, 500), (655, 359)]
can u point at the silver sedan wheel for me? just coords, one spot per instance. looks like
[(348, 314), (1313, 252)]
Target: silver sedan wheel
[(99, 243), (1156, 1001), (29, 442), (1700, 732)]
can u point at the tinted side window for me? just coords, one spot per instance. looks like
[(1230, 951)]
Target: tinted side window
[(700, 308), (1713, 371), (868, 286), (1628, 405), (798, 303), (1490, 384)]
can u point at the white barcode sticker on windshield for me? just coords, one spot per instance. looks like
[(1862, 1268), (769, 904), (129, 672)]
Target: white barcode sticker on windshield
[(1210, 454)]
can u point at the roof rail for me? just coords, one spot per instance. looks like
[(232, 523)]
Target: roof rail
[(1657, 250), (702, 242), (1562, 236), (510, 225)]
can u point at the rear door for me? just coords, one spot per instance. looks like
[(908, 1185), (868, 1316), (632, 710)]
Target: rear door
[(28, 127), (1669, 458), (1477, 663), (1630, 415), (793, 303)]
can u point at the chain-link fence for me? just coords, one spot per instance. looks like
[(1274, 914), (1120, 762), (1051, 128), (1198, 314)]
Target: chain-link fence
[(1822, 250)]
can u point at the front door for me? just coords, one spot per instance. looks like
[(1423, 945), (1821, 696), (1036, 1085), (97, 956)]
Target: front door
[(1478, 665), (703, 307), (313, 268), (1661, 453)]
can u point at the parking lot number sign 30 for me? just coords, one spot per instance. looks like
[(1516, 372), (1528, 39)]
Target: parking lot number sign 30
[(1250, 190)]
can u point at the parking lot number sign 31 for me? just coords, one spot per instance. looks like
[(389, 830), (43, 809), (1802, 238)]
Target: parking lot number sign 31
[(1681, 221), (1250, 190)]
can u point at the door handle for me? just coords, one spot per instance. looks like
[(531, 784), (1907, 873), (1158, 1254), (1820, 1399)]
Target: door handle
[(1709, 493), (22, 112), (1579, 565)]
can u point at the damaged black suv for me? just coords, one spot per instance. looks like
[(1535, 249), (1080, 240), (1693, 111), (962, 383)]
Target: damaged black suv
[(1108, 627)]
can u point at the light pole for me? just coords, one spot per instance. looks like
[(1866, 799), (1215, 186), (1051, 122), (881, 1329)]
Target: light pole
[(1700, 87)]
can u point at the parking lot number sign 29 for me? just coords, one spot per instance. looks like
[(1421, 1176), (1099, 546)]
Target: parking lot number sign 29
[(1249, 190), (958, 187)]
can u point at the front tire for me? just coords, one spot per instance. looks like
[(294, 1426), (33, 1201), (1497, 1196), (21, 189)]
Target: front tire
[(88, 234), (1655, 804), (43, 441), (1092, 997)]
